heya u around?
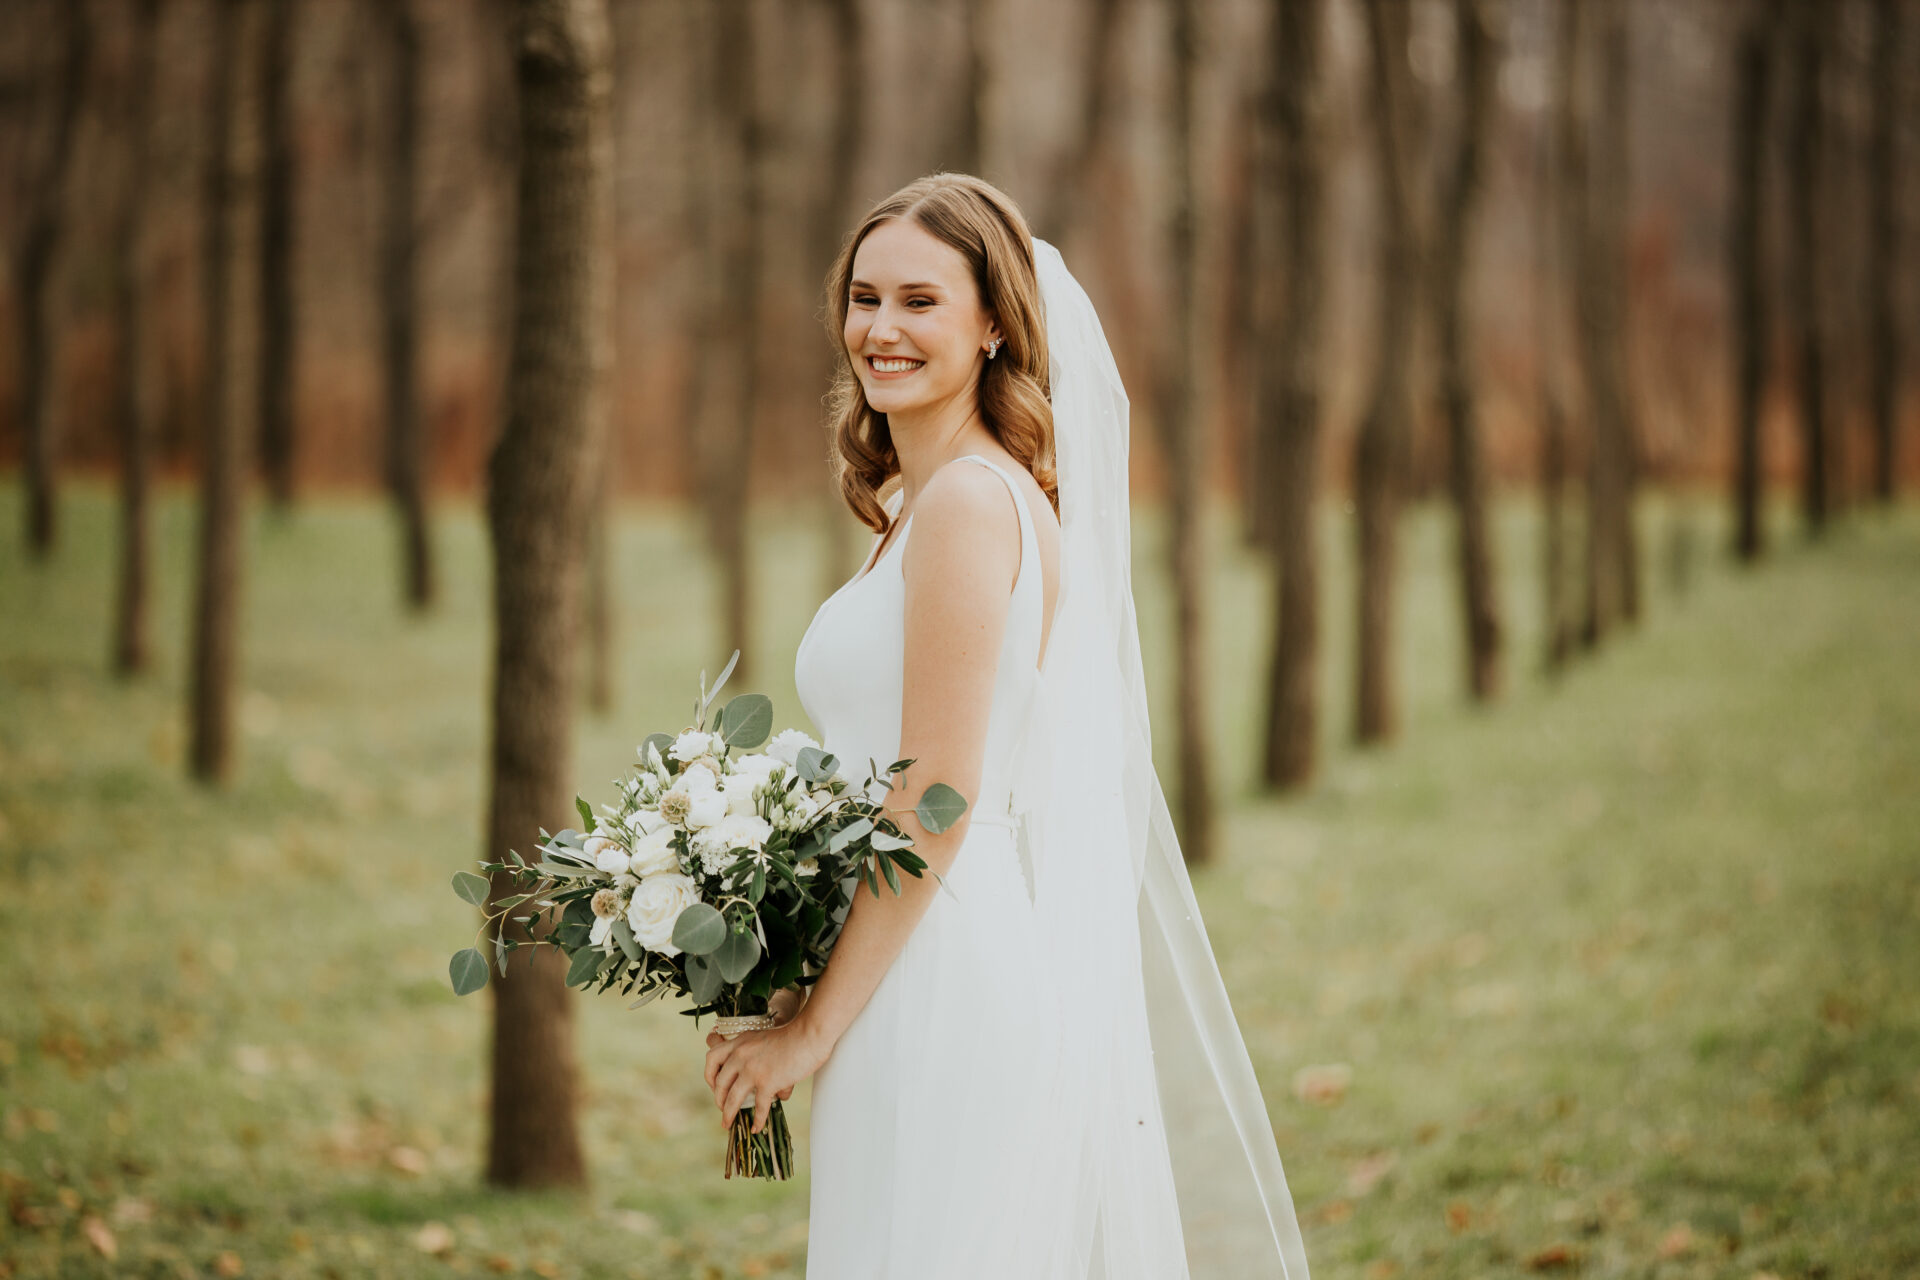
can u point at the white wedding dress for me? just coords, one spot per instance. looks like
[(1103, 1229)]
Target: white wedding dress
[(921, 1145)]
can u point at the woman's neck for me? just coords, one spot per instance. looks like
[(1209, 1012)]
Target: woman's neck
[(929, 442)]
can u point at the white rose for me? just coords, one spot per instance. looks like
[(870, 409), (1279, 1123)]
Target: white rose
[(644, 822), (694, 781), (738, 788), (654, 854), (606, 855), (756, 763), (708, 808), (656, 905), (691, 745), (744, 831), (786, 745)]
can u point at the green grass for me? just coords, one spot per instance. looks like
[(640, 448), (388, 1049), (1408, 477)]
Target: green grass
[(1621, 967)]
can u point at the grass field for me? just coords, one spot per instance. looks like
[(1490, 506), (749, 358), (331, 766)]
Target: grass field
[(1620, 974)]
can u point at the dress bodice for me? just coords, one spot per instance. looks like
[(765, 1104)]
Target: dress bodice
[(850, 665)]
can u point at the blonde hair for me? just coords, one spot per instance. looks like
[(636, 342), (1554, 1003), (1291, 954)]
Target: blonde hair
[(988, 230)]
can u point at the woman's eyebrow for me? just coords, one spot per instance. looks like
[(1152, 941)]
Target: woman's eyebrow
[(917, 284)]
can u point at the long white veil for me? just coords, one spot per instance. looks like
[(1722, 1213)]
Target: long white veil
[(1179, 1172)]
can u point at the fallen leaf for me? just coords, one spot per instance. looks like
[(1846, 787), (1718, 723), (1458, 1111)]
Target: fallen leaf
[(1365, 1174), (544, 1269), (408, 1160), (1459, 1216), (1324, 1085), (100, 1236), (499, 1263), (227, 1263), (132, 1211), (1554, 1257), (1382, 1269), (434, 1238), (1677, 1243)]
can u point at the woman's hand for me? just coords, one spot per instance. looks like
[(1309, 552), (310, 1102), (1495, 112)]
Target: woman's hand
[(766, 1064)]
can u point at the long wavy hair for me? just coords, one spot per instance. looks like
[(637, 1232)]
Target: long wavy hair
[(990, 232)]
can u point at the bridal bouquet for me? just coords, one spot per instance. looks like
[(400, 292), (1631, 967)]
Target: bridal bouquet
[(723, 874)]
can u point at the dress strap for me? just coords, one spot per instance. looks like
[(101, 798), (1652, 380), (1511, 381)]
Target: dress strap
[(1027, 535)]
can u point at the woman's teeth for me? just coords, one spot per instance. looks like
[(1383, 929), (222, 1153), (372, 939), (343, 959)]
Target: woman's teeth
[(892, 366)]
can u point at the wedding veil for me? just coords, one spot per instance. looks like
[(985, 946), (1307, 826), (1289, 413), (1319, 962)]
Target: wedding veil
[(1179, 1173)]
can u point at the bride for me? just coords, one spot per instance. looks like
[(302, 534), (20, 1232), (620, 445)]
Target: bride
[(1029, 1071)]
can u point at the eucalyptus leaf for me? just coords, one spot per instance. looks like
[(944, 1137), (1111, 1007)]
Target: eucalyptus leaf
[(468, 971), (500, 949), (623, 938), (851, 832), (720, 682), (584, 968), (648, 996), (737, 955), (815, 765), (699, 930), (471, 887), (747, 721), (885, 840), (586, 812), (940, 807), (704, 982)]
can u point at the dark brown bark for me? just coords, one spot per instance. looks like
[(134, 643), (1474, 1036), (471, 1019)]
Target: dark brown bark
[(730, 349), (1382, 450), (278, 305), (970, 151), (1291, 189), (1072, 196), (132, 650), (1467, 472), (1805, 261), (841, 205), (1883, 242), (538, 480), (1549, 272), (1182, 434), (224, 462), (1752, 74), (45, 219), (1613, 188), (400, 308)]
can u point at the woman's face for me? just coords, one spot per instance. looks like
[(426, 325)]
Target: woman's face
[(915, 330)]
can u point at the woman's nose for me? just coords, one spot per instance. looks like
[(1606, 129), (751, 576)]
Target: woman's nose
[(883, 328)]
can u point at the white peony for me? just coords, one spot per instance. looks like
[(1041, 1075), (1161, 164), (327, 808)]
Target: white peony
[(656, 905), (653, 853), (691, 745), (606, 855), (786, 745), (694, 781), (644, 822), (708, 808)]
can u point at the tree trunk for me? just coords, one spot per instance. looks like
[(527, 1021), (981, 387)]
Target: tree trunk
[(730, 350), (1883, 244), (971, 148), (1549, 271), (1182, 436), (1614, 188), (538, 482), (224, 463), (1072, 198), (278, 310), (1752, 74), (842, 202), (1571, 187), (132, 651), (1467, 477), (1804, 260), (46, 215), (1380, 470), (1292, 192), (399, 306)]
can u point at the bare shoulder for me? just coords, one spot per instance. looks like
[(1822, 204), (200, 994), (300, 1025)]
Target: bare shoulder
[(964, 515)]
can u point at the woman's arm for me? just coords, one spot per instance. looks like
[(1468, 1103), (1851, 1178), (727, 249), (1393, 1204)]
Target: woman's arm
[(959, 567)]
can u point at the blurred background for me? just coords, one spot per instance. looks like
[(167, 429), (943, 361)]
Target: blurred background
[(404, 404)]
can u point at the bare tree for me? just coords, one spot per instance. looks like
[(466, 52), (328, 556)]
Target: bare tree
[(1182, 434), (1550, 263), (1467, 473), (1291, 192), (132, 651), (1805, 262), (1068, 203), (279, 313), (1381, 456), (224, 461), (399, 302), (1752, 74), (1883, 248), (841, 204), (45, 219), (538, 482)]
